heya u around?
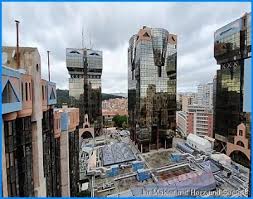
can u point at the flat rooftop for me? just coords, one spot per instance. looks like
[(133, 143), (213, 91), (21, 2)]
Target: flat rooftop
[(164, 171), (159, 158)]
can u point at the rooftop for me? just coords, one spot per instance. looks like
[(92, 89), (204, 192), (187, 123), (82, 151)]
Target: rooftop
[(159, 170)]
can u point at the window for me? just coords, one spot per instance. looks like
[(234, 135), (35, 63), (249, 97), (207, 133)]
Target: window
[(240, 132), (30, 91), (45, 89), (26, 91), (42, 92), (37, 67), (94, 54), (74, 52), (22, 91), (8, 94), (159, 71), (146, 34), (239, 143)]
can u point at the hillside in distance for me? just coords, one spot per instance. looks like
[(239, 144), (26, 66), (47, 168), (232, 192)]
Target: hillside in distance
[(63, 97)]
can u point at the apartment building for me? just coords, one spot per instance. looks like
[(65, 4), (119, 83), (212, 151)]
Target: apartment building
[(27, 118), (198, 119)]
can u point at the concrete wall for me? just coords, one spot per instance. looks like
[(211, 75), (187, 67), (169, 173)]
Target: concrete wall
[(31, 64), (231, 147), (65, 180), (33, 67), (68, 119)]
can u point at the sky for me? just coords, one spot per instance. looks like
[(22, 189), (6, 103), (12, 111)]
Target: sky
[(109, 26)]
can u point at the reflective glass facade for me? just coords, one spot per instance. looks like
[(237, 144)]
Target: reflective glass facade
[(51, 153), (18, 153), (232, 51), (227, 42), (74, 161), (247, 85), (228, 101), (85, 82), (152, 64)]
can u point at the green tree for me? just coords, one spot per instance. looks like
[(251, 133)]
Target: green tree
[(85, 193), (119, 120), (124, 125)]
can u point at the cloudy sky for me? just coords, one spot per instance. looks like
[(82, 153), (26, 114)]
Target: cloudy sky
[(108, 27)]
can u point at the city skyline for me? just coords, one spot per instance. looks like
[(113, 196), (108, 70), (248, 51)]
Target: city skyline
[(96, 23), (160, 140)]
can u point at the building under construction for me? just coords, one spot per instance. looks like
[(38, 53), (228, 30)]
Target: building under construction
[(152, 66), (85, 70)]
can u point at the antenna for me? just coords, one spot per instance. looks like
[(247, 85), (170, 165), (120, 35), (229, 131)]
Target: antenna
[(17, 47), (90, 40), (48, 64), (82, 38)]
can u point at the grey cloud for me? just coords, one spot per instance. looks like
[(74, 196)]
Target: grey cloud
[(56, 26)]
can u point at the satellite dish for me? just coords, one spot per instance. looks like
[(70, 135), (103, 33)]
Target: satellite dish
[(5, 57)]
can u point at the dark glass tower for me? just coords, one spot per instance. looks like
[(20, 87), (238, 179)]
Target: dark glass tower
[(152, 65), (232, 51), (85, 70)]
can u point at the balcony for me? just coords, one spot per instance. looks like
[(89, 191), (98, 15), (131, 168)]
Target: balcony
[(11, 95)]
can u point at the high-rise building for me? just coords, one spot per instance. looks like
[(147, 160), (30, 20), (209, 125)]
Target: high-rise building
[(214, 100), (232, 51), (186, 101), (85, 70), (197, 119), (152, 72), (205, 94), (30, 150)]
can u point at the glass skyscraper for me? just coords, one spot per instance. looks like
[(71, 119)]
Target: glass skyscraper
[(152, 66), (85, 70), (232, 51)]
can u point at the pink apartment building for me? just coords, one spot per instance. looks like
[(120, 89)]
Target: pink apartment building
[(198, 119)]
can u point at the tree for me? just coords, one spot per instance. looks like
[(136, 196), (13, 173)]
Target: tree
[(85, 193), (124, 125), (119, 120)]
